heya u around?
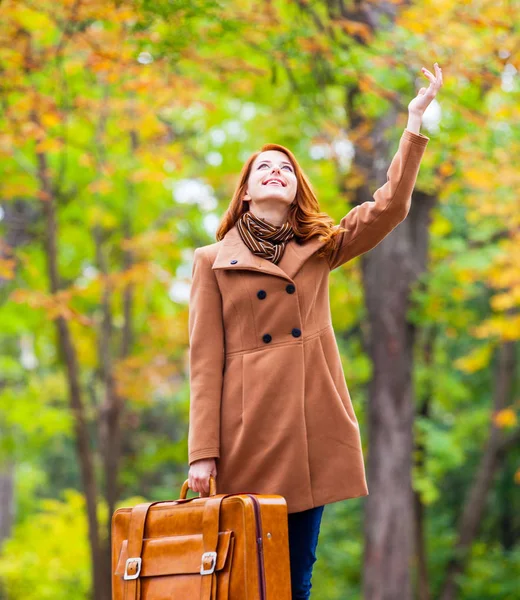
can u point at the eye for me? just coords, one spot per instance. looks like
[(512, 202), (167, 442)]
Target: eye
[(284, 166)]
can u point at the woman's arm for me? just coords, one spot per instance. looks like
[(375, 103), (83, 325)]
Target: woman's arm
[(369, 223), (206, 360)]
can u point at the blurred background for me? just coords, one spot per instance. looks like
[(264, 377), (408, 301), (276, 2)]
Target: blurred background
[(123, 127)]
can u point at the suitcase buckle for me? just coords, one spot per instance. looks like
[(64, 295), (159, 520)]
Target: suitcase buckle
[(213, 557), (137, 560)]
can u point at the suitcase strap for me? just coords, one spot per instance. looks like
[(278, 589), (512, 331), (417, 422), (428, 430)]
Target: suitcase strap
[(210, 529)]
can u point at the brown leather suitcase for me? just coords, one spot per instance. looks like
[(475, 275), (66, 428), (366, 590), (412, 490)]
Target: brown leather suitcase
[(218, 547)]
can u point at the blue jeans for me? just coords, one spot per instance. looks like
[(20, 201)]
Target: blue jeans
[(304, 528)]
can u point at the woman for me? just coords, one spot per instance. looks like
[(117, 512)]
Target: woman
[(270, 411)]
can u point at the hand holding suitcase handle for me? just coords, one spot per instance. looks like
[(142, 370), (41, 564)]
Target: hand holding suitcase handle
[(200, 473), (212, 488)]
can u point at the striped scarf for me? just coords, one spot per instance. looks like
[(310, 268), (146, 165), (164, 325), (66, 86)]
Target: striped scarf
[(263, 238)]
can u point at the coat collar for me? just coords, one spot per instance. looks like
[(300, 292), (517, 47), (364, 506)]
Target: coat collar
[(233, 248)]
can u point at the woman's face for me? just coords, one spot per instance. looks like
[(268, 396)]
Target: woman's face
[(272, 177)]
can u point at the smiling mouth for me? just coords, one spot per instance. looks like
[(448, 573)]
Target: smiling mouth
[(274, 182)]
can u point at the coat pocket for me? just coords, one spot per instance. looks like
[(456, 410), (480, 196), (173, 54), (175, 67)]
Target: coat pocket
[(334, 367)]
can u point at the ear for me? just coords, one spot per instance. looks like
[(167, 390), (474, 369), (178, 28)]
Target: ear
[(247, 197)]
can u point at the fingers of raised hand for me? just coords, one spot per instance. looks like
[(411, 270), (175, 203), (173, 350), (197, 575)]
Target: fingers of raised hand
[(435, 80), (438, 70)]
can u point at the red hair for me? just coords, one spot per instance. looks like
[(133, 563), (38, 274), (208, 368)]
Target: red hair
[(303, 214)]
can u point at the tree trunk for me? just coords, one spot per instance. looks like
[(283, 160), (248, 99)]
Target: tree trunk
[(6, 499), (389, 271), (112, 408), (69, 356)]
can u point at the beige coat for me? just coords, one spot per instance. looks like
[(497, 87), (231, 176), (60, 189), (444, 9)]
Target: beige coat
[(268, 396)]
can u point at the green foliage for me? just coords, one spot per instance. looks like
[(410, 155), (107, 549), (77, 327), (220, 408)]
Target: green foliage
[(489, 573), (338, 569), (48, 555)]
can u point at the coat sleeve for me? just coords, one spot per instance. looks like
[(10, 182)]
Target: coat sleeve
[(370, 222), (206, 360)]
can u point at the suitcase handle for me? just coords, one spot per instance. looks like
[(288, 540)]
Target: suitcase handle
[(212, 488)]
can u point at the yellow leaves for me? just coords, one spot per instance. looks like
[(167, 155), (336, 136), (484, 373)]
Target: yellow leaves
[(316, 44), (441, 225), (369, 84), (481, 179), (505, 272), (54, 305), (143, 243), (458, 293), (12, 59), (98, 215), (468, 275), (139, 274), (139, 378), (50, 119), (505, 418), (73, 66), (436, 305), (502, 302), (356, 28), (476, 360), (140, 175), (86, 160), (18, 185), (504, 277), (31, 130), (30, 20), (7, 268), (49, 146), (123, 14), (86, 344), (517, 476), (101, 65), (149, 125), (355, 179), (503, 327), (103, 187), (417, 25), (6, 143), (446, 169)]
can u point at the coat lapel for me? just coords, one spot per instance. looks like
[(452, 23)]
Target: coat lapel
[(294, 256)]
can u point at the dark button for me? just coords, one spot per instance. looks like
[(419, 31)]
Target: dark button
[(234, 261), (261, 294), (290, 289), (267, 338), (296, 332)]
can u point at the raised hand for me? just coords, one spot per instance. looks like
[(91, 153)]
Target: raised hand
[(424, 96)]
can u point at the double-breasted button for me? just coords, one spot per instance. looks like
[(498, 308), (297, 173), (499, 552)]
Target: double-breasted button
[(290, 289), (296, 332), (261, 294), (234, 261), (267, 338)]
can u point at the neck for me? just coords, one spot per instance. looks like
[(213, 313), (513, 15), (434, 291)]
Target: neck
[(274, 217)]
